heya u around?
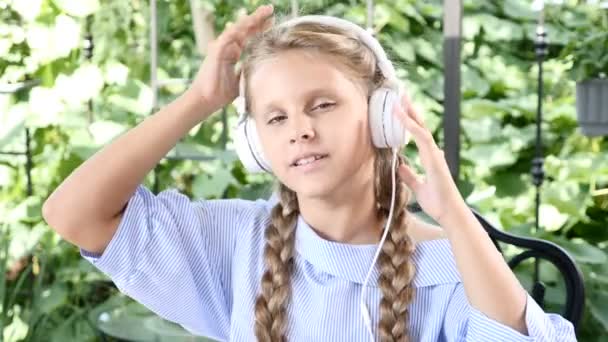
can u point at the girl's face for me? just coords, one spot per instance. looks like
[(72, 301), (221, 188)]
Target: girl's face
[(304, 105)]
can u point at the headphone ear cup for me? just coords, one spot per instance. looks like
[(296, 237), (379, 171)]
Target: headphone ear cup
[(386, 129), (249, 148)]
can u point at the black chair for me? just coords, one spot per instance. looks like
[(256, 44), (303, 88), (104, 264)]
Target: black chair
[(539, 249)]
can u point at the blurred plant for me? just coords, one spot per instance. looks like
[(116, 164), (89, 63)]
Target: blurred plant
[(589, 53), (83, 103)]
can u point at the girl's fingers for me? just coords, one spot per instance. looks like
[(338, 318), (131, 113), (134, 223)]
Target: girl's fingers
[(412, 110), (258, 19), (412, 121), (233, 51), (422, 137), (409, 177), (412, 126), (415, 113), (247, 25), (267, 23)]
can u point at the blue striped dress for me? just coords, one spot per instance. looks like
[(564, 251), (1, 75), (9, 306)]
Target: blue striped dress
[(199, 264)]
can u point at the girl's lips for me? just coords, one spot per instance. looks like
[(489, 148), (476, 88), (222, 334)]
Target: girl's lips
[(312, 165), (307, 156)]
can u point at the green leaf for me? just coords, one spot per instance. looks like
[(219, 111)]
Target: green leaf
[(105, 131), (581, 250), (472, 82), (567, 197), (115, 73), (384, 15), (46, 107), (509, 184), (75, 327), (482, 130), (479, 195), (135, 97), (213, 185), (118, 316), (397, 21), (550, 218), (521, 104), (519, 137), (84, 84), (478, 108), (597, 272), (597, 305), (497, 29), (27, 10), (505, 78), (12, 124), (594, 232), (52, 298), (27, 210), (406, 7), (17, 329), (490, 155), (50, 43), (24, 239), (426, 50), (519, 10), (430, 9), (80, 8), (404, 50), (577, 167), (470, 26)]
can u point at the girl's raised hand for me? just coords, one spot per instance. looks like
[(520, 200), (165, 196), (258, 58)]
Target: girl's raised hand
[(216, 82), (435, 191)]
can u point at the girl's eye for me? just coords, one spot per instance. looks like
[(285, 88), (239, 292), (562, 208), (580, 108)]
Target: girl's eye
[(325, 105), (276, 119)]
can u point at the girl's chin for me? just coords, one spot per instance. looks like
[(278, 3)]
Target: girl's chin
[(313, 188)]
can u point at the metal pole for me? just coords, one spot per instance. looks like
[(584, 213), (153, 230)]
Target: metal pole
[(294, 8), (452, 27), (29, 164), (370, 16), (18, 89), (538, 174)]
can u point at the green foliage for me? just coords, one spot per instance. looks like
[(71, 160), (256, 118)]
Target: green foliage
[(118, 315), (588, 52), (83, 103)]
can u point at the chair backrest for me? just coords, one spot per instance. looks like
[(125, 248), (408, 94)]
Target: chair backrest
[(539, 249)]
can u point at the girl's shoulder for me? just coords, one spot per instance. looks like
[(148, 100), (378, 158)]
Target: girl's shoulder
[(433, 256), (421, 230)]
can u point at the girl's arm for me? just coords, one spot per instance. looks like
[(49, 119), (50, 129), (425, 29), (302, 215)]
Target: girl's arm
[(87, 207), (500, 304), (490, 285)]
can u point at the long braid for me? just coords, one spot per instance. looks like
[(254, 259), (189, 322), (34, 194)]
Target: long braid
[(271, 304), (396, 267)]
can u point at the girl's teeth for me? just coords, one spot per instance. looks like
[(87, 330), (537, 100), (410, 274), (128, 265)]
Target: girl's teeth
[(307, 160)]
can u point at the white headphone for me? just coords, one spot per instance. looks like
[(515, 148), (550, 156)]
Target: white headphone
[(386, 130)]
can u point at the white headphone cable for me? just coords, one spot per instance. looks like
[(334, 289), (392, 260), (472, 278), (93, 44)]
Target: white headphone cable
[(364, 311)]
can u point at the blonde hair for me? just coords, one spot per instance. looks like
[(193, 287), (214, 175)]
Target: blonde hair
[(395, 265)]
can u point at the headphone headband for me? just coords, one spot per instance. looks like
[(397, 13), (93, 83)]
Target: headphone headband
[(384, 64)]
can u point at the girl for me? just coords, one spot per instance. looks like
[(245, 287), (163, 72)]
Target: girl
[(293, 268)]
